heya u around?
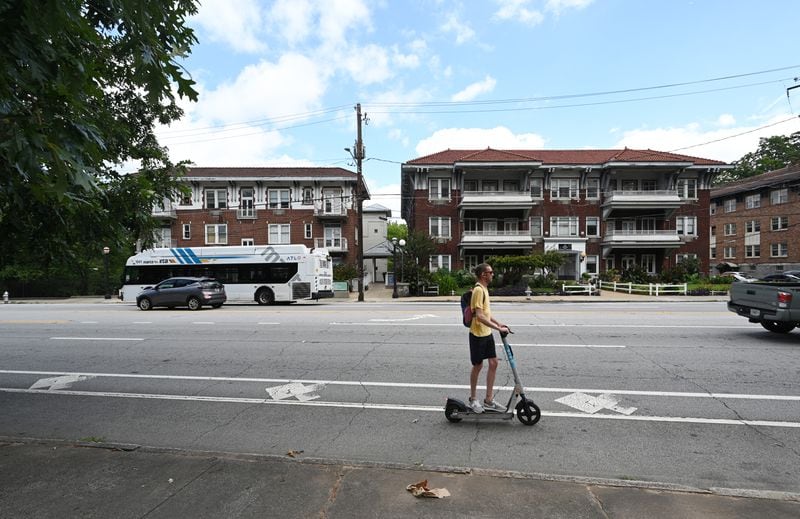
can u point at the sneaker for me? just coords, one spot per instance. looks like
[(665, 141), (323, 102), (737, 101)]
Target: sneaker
[(476, 406), (493, 406)]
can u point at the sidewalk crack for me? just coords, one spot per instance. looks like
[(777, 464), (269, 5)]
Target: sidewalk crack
[(597, 501), (333, 494)]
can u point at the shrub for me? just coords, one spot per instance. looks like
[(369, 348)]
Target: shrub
[(345, 272)]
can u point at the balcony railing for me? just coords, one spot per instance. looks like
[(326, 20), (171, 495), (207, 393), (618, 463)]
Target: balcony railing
[(498, 236), (165, 212), (332, 244), (330, 210), (641, 236)]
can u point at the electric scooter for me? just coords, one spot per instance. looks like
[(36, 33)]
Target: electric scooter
[(527, 412)]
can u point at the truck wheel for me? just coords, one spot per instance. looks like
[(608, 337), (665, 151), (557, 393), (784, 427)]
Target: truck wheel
[(777, 327)]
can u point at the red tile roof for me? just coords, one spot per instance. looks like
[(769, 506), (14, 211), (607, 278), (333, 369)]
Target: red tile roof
[(559, 157)]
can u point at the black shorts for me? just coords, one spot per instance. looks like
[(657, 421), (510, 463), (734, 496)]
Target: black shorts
[(481, 348)]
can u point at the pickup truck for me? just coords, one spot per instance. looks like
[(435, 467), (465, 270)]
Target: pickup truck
[(776, 306)]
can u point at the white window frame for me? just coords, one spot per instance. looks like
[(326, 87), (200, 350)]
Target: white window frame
[(730, 229), (570, 223), (628, 261), (779, 223), (439, 227), (279, 233), (537, 191), (687, 188), (279, 198), (712, 208), (610, 263), (333, 236), (219, 196), (593, 221), (730, 205), (217, 232), (779, 196), (439, 261), (649, 184), (752, 201), (752, 226), (511, 227), (683, 256), (729, 252), (248, 242), (712, 252), (779, 250), (470, 262), (592, 260), (308, 231), (567, 186), (438, 188), (686, 225), (649, 263), (308, 195), (592, 188), (535, 225), (187, 231), (752, 251)]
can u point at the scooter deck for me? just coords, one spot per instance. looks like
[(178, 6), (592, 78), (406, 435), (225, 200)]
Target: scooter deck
[(486, 415)]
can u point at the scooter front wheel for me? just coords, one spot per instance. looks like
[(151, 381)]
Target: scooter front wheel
[(527, 412), (449, 411)]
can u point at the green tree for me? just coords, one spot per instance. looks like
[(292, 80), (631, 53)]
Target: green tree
[(773, 153), (418, 250), (82, 85), (396, 230)]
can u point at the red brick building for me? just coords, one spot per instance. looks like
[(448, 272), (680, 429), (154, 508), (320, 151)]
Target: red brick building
[(255, 206), (754, 223), (602, 208)]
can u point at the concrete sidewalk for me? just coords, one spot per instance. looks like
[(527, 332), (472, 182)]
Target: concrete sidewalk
[(45, 479)]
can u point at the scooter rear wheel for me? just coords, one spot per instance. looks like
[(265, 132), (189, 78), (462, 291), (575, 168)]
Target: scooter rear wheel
[(449, 411), (527, 412)]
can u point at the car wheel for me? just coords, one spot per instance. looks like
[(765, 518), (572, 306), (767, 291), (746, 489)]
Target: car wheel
[(777, 327), (194, 303), (265, 297), (145, 304)]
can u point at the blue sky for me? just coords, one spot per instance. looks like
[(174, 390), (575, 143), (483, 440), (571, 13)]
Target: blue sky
[(278, 80)]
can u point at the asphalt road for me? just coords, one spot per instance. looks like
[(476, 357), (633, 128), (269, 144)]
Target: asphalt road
[(680, 393)]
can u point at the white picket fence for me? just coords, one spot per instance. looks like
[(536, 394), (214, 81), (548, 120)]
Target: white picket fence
[(578, 289), (651, 289)]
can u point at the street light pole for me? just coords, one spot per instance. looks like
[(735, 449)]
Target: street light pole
[(106, 250), (395, 243)]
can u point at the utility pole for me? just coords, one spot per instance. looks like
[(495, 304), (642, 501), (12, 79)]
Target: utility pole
[(359, 156)]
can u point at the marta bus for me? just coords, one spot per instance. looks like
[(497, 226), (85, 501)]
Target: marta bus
[(265, 274)]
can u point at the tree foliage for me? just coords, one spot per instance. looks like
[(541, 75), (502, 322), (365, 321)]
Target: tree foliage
[(82, 85), (773, 153)]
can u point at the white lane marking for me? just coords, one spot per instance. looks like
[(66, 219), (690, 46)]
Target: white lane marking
[(269, 323), (95, 339), (142, 322), (295, 390), (637, 326), (88, 322), (61, 382), (592, 404), (571, 345), (203, 322), (404, 319), (680, 394), (401, 407)]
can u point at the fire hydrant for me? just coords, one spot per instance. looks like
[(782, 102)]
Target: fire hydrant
[(5, 297)]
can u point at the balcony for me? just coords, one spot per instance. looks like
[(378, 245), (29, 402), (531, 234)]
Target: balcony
[(640, 239), (496, 200), (330, 211), (167, 211), (626, 203), (247, 213), (497, 238), (332, 244)]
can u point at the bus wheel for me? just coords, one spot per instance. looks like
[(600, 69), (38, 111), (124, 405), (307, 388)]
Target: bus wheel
[(265, 296)]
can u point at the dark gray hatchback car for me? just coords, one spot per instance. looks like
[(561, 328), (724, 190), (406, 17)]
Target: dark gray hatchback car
[(191, 292)]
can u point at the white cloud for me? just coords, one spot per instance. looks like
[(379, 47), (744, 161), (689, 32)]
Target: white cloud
[(557, 6), (234, 23), (478, 138), (475, 89), (726, 144), (293, 85), (726, 120), (339, 17), (517, 10), (369, 64), (404, 60), (293, 19), (462, 30)]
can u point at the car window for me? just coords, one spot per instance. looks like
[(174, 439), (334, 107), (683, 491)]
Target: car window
[(182, 282), (167, 284)]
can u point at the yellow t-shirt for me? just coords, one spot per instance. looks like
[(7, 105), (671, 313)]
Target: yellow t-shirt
[(480, 299)]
